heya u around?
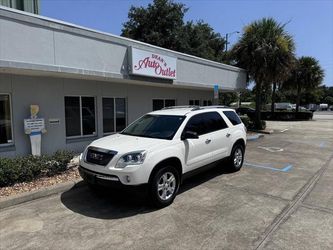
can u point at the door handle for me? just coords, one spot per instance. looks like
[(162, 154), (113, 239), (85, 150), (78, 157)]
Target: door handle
[(208, 141), (227, 135)]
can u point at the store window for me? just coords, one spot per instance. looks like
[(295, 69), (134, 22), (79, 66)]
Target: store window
[(6, 136), (162, 103), (80, 116), (194, 102), (207, 102), (114, 114)]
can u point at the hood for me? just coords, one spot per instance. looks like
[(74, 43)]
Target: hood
[(127, 143)]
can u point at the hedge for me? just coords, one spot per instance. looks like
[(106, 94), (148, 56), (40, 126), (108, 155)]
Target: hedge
[(284, 116), (249, 122), (28, 168)]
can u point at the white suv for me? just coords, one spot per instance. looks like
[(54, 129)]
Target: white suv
[(163, 147)]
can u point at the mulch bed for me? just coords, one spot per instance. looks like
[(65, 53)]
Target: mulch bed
[(69, 175)]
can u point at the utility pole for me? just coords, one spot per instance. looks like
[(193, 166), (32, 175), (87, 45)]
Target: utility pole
[(227, 37)]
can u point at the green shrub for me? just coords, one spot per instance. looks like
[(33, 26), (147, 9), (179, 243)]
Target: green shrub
[(246, 120), (249, 122), (28, 168), (287, 116), (284, 116)]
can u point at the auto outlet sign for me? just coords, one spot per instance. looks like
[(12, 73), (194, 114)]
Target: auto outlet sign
[(146, 63)]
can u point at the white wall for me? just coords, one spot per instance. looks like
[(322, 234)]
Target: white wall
[(49, 92), (33, 42)]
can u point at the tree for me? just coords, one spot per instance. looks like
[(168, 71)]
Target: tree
[(306, 76), (329, 100), (226, 98), (327, 95), (162, 24), (199, 39), (265, 50), (159, 24)]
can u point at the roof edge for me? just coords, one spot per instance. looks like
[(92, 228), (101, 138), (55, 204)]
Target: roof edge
[(82, 28)]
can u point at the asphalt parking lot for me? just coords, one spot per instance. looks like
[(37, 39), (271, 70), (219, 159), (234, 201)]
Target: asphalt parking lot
[(281, 199)]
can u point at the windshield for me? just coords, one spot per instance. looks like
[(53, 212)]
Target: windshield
[(155, 126)]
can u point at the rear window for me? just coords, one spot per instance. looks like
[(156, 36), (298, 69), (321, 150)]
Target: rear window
[(233, 117)]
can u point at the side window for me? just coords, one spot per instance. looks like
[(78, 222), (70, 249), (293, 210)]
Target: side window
[(114, 114), (194, 102), (169, 102), (233, 117), (214, 122), (80, 115), (206, 123), (196, 124), (5, 120), (158, 104), (206, 103), (162, 103)]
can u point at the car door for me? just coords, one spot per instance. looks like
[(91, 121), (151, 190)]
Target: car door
[(198, 152), (221, 136)]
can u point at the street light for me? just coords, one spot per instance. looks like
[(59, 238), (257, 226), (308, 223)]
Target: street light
[(226, 38)]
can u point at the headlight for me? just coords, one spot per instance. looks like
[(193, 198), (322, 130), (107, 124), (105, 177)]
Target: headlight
[(133, 158)]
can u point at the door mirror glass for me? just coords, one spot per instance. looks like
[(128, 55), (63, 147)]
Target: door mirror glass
[(189, 135)]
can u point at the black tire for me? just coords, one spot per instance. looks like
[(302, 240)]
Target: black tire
[(155, 194), (236, 165)]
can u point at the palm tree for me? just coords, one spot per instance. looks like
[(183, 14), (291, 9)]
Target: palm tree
[(266, 51), (307, 75)]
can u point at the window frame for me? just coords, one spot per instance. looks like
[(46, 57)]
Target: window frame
[(194, 100), (115, 114), (207, 102), (12, 143), (81, 121), (163, 99)]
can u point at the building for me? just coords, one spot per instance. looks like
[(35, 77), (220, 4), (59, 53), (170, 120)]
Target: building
[(31, 6), (89, 84)]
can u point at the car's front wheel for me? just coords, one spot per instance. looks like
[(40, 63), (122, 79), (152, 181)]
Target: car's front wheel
[(236, 158), (164, 186)]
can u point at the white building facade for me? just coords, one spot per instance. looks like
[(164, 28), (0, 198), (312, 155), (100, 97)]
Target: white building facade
[(89, 84)]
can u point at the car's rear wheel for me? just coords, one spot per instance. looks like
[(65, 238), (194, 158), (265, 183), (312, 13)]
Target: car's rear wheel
[(236, 158), (164, 186)]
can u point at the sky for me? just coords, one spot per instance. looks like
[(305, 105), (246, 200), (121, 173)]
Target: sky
[(310, 22)]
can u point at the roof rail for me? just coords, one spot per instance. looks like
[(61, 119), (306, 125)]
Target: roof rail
[(181, 107), (215, 107), (195, 107)]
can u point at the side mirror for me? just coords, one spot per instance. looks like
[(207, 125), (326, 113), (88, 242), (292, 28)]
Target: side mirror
[(189, 135)]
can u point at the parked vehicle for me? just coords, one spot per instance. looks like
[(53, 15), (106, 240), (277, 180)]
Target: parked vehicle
[(283, 106), (300, 108), (244, 110), (323, 106), (163, 147), (312, 107)]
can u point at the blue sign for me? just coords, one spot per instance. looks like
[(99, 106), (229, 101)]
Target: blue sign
[(216, 91)]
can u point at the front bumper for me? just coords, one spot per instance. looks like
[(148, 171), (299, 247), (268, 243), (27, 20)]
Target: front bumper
[(102, 179)]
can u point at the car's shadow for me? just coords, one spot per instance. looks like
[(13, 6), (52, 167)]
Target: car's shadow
[(115, 204)]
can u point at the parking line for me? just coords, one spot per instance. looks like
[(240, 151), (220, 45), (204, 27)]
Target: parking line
[(284, 169)]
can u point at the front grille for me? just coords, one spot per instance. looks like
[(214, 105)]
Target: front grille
[(99, 156)]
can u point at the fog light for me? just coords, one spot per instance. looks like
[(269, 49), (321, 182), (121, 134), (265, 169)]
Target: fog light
[(128, 179)]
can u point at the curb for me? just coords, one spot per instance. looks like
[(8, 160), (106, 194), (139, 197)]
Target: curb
[(262, 131), (33, 195), (254, 137)]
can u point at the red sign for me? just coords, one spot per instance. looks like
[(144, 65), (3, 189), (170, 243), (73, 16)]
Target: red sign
[(151, 64)]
